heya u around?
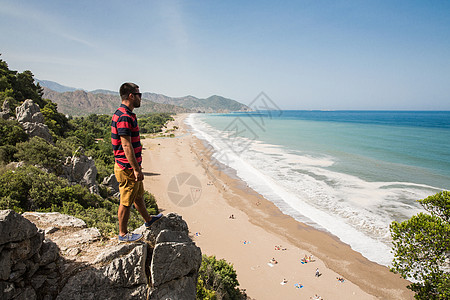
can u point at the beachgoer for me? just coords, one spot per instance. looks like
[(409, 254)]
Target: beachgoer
[(127, 149), (317, 272)]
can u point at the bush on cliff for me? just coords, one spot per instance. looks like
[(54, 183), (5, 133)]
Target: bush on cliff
[(11, 133), (32, 189), (217, 279), (422, 248), (38, 151)]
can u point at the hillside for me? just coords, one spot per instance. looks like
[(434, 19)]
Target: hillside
[(79, 103), (211, 104)]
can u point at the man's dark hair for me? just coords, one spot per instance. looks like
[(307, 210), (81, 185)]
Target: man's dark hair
[(126, 89)]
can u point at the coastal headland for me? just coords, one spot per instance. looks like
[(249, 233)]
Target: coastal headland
[(266, 247)]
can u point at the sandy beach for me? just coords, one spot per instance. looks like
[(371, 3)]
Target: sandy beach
[(259, 232)]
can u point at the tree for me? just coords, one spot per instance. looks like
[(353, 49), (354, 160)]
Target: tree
[(217, 279), (38, 151), (422, 248)]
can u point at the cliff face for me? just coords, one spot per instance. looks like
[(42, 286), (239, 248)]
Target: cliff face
[(54, 256)]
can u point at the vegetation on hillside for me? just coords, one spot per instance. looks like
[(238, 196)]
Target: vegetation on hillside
[(217, 279), (37, 184), (422, 248)]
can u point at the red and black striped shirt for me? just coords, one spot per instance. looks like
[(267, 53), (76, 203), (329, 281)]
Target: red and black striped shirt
[(124, 122)]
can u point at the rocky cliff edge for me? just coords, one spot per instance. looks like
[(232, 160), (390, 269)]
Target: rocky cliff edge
[(55, 256)]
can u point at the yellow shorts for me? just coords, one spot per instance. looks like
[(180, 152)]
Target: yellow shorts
[(129, 189)]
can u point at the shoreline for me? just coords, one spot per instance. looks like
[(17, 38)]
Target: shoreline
[(267, 227)]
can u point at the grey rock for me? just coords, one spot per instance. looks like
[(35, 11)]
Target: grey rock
[(22, 250), (114, 252), (29, 112), (49, 252), (56, 219), (6, 107), (172, 222), (129, 270), (50, 266), (14, 227), (123, 278), (37, 281), (4, 115), (73, 251), (38, 129), (51, 230), (5, 264), (181, 289), (172, 236), (81, 169), (92, 285), (7, 290), (20, 267), (35, 243), (27, 294), (83, 236), (112, 183), (172, 261), (31, 268)]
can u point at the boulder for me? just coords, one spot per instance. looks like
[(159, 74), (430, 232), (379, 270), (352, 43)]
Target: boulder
[(14, 227), (114, 252), (29, 112), (48, 253), (83, 236), (173, 261), (5, 264), (32, 120), (81, 169), (173, 236), (171, 222), (6, 107), (123, 278), (183, 288), (112, 183), (4, 115), (129, 270), (54, 219), (38, 129)]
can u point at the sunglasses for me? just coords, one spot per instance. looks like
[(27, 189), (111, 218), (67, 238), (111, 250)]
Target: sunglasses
[(139, 94)]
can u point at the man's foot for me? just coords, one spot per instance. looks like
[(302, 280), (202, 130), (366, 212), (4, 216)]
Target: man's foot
[(130, 238), (153, 220)]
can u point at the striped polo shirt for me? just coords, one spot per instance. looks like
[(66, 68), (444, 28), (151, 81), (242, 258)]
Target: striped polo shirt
[(124, 122)]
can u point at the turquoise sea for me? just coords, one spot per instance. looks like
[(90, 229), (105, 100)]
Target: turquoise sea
[(350, 173)]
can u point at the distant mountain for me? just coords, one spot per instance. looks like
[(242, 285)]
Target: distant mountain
[(55, 86), (104, 92), (80, 102), (211, 104)]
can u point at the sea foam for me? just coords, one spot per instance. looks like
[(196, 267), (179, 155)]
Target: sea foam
[(304, 186)]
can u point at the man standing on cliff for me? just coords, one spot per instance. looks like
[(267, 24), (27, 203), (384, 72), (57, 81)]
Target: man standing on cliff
[(127, 149)]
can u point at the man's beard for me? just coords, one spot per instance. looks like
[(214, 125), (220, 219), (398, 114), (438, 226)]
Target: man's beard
[(137, 103)]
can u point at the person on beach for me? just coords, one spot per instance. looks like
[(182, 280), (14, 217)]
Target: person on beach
[(127, 148), (317, 273)]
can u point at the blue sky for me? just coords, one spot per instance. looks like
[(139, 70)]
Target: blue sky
[(302, 54)]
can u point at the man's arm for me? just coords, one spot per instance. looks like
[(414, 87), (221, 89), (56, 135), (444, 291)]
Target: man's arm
[(129, 153)]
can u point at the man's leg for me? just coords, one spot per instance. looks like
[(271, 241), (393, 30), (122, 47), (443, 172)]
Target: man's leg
[(142, 209), (123, 215)]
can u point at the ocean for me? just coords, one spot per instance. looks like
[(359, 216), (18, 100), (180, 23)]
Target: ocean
[(350, 173)]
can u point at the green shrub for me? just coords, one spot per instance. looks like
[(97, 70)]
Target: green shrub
[(38, 151), (218, 280), (421, 247), (11, 133)]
